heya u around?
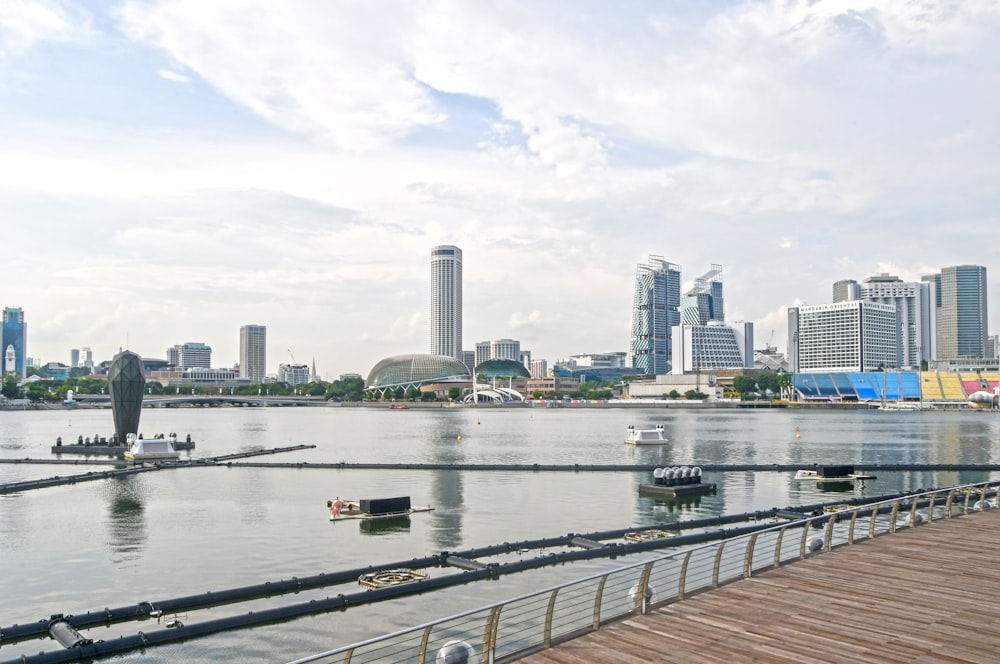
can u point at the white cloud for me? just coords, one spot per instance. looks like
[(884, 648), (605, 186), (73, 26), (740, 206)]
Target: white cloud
[(25, 24), (797, 143), (176, 77)]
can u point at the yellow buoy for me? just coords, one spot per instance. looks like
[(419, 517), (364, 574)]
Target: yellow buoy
[(460, 436)]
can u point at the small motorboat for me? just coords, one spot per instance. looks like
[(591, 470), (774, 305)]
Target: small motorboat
[(653, 436), (150, 449), (342, 509)]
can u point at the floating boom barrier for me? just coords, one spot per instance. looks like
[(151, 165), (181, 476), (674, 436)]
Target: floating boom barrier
[(412, 585)]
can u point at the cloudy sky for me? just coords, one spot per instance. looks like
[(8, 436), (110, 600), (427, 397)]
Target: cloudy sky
[(173, 169)]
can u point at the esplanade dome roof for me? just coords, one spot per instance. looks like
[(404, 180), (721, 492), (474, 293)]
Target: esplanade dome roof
[(404, 369), (502, 369)]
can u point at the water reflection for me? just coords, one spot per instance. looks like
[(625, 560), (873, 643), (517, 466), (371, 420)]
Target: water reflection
[(385, 526), (447, 446), (126, 517)]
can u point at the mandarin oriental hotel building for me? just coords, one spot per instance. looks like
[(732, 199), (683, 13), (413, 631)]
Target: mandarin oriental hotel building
[(845, 336)]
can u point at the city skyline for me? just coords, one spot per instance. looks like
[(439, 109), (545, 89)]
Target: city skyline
[(160, 182)]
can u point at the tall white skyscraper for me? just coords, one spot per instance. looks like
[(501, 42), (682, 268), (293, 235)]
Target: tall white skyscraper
[(446, 301), (253, 352)]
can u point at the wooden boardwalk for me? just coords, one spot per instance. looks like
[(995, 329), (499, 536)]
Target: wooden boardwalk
[(929, 594)]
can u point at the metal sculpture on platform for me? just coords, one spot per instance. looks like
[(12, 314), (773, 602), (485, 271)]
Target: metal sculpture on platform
[(126, 383)]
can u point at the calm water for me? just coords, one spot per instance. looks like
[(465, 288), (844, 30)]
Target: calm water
[(171, 533)]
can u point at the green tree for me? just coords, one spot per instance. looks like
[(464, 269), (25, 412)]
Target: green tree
[(537, 394), (39, 391), (428, 396), (674, 394), (454, 393), (695, 394), (10, 389)]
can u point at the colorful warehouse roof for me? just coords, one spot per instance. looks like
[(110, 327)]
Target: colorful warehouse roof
[(415, 370)]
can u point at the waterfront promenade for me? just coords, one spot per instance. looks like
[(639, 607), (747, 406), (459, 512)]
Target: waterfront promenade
[(926, 594)]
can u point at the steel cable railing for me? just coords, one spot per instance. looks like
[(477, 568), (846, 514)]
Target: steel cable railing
[(506, 630)]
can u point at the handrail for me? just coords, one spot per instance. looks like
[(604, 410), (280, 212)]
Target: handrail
[(615, 597)]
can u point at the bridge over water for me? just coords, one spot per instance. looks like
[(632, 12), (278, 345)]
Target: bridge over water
[(177, 400)]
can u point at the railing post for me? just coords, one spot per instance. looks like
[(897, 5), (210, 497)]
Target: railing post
[(828, 535), (421, 654), (718, 563), (547, 636), (947, 503), (777, 546), (805, 536), (598, 598), (683, 576), (642, 596), (982, 497), (913, 513), (748, 557), (850, 530), (892, 516), (930, 508), (965, 507), (490, 635)]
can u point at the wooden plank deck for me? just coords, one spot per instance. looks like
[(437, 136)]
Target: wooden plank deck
[(929, 594)]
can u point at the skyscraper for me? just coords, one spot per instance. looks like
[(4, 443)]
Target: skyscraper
[(846, 290), (914, 312), (14, 337), (253, 352), (704, 302), (655, 312), (446, 301), (961, 313)]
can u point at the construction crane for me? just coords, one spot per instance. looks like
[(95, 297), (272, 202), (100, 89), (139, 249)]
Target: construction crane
[(292, 356)]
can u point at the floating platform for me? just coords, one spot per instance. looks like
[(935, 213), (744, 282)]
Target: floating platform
[(842, 473), (677, 491), (109, 450), (344, 509)]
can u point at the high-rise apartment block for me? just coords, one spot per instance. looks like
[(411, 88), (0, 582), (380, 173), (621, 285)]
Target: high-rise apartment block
[(190, 355), (446, 301), (855, 335), (253, 352), (74, 358), (655, 311), (13, 341), (293, 374), (498, 349)]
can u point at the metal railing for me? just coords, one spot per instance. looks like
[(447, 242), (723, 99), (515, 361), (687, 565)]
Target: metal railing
[(517, 627)]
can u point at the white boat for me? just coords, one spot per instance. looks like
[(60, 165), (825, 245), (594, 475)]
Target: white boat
[(654, 436), (151, 449)]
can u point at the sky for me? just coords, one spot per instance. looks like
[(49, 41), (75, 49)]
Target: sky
[(173, 169)]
